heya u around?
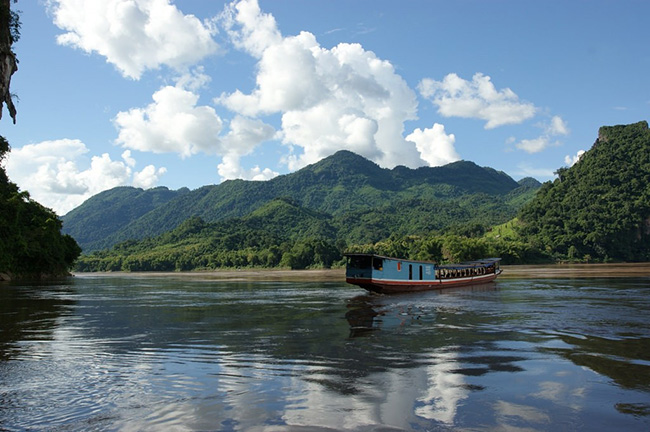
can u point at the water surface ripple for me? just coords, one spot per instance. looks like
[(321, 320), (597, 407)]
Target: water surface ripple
[(122, 353)]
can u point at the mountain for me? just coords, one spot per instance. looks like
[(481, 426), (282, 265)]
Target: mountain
[(596, 210), (108, 212), (337, 185), (526, 191), (529, 182), (600, 207), (279, 230), (283, 217)]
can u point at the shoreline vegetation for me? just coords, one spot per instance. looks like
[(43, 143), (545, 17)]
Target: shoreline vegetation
[(596, 210), (593, 212), (543, 271)]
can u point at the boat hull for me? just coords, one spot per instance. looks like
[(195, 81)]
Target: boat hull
[(396, 287)]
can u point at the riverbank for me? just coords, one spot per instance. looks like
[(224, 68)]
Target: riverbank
[(577, 270), (9, 277), (556, 271)]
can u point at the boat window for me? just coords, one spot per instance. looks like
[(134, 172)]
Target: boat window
[(420, 272), (410, 271), (360, 262), (378, 263)]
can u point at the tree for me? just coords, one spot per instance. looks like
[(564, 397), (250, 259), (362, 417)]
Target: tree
[(9, 34), (31, 243), (599, 208)]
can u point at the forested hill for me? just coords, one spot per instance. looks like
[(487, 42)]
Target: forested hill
[(600, 207), (342, 185), (106, 213), (31, 243)]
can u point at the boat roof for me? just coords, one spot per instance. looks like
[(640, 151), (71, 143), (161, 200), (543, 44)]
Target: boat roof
[(468, 264), (465, 264)]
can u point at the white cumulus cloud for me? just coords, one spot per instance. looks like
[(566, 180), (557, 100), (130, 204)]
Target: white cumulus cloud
[(557, 126), (534, 145), (478, 98), (134, 35), (59, 175), (435, 145), (249, 28), (148, 177), (172, 123), (329, 99), (244, 136), (230, 168), (572, 160)]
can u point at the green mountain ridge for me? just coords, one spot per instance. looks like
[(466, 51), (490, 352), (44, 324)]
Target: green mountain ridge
[(110, 210), (342, 183), (600, 207), (596, 210), (32, 245)]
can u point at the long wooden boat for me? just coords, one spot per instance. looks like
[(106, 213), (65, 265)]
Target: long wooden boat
[(387, 275)]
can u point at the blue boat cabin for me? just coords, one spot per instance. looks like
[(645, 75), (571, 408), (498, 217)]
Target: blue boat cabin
[(385, 274), (378, 267)]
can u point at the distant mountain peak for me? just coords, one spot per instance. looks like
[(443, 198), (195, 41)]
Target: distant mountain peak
[(337, 184), (345, 159)]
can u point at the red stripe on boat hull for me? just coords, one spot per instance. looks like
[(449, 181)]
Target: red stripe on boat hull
[(395, 287)]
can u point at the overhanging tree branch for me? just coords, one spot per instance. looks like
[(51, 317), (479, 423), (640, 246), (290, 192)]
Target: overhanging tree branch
[(9, 33)]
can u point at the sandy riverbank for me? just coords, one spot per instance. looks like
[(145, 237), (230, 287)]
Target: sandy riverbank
[(577, 270), (241, 275), (333, 275)]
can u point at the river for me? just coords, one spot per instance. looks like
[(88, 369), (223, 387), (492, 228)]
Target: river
[(264, 351)]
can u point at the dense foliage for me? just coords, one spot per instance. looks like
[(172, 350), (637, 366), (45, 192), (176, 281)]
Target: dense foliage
[(31, 243), (282, 233), (342, 185), (279, 234), (599, 209), (103, 214)]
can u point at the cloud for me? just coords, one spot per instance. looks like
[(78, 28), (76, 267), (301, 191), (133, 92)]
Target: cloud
[(288, 79), (479, 99), (434, 145), (134, 35), (244, 136), (555, 127), (329, 99), (173, 123), (230, 168), (126, 156), (527, 170), (535, 145), (249, 28), (148, 177), (50, 171), (193, 80), (572, 160)]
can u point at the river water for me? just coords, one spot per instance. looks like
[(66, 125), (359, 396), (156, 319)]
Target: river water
[(187, 353)]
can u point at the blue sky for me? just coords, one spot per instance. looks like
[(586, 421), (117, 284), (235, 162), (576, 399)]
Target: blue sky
[(193, 92)]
